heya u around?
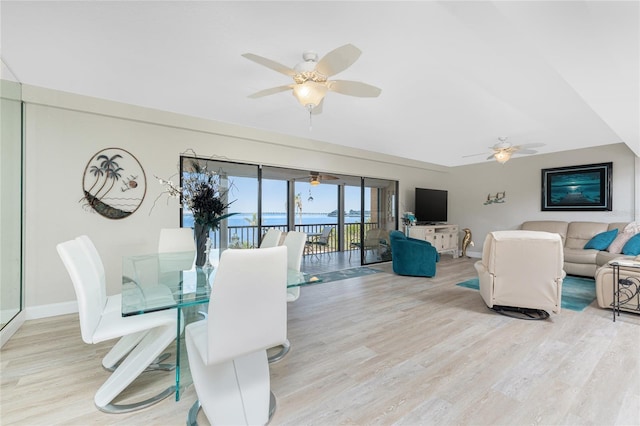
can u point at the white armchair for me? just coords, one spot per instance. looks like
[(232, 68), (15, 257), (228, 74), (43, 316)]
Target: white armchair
[(521, 269), (228, 351)]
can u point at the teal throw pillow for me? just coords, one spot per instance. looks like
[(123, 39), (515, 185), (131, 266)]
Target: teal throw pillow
[(632, 247), (602, 240)]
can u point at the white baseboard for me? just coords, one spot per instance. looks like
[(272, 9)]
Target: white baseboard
[(52, 310), (64, 308), (11, 327), (474, 254)]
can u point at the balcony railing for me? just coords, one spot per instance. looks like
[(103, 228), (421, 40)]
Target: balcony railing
[(247, 236)]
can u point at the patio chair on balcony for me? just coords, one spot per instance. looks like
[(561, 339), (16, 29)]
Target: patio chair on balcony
[(319, 242), (376, 240)]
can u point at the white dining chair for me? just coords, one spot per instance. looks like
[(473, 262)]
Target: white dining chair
[(271, 238), (114, 302), (142, 338), (228, 351), (295, 242), (176, 240)]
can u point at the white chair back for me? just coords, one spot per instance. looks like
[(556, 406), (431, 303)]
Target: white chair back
[(271, 238), (176, 240), (247, 309), (88, 284), (90, 249), (295, 242)]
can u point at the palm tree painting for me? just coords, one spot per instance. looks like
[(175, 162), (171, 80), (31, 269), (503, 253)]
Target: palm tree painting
[(114, 183)]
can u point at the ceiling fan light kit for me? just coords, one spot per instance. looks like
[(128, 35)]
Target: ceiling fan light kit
[(315, 178), (310, 94), (310, 77), (502, 156), (503, 150)]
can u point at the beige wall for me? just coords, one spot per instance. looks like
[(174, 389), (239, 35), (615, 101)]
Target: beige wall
[(521, 179), (63, 131)]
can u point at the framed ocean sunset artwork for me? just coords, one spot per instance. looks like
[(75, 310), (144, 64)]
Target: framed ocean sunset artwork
[(577, 188)]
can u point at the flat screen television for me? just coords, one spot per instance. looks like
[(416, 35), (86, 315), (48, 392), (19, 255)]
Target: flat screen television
[(431, 206)]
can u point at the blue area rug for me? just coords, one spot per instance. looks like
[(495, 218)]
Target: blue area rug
[(344, 274), (577, 292)]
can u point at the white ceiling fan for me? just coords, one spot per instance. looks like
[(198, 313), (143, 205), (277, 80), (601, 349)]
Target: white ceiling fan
[(503, 150), (311, 77)]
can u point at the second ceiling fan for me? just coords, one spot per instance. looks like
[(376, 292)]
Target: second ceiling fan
[(315, 178), (503, 150), (311, 77)]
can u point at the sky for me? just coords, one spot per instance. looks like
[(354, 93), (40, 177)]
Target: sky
[(315, 199)]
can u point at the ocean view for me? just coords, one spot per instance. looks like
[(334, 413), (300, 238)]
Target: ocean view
[(270, 219)]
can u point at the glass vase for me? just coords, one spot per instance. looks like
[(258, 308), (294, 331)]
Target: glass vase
[(201, 233)]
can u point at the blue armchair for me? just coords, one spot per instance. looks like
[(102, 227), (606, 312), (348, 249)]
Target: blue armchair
[(412, 257)]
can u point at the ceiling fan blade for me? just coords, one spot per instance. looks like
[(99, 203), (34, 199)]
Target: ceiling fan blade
[(354, 88), (473, 155), (328, 177), (338, 60), (526, 151), (276, 66), (273, 90), (531, 145), (490, 157)]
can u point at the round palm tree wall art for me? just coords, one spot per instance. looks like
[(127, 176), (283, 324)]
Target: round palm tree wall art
[(114, 183)]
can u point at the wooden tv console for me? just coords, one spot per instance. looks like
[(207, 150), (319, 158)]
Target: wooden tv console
[(443, 237)]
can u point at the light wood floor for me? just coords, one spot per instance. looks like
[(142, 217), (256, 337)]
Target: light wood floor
[(375, 350)]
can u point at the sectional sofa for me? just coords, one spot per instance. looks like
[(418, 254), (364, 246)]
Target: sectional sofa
[(591, 262), (575, 235)]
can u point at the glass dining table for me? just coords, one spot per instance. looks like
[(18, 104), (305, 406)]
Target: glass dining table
[(160, 281)]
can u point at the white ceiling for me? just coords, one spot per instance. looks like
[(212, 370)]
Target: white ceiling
[(454, 76)]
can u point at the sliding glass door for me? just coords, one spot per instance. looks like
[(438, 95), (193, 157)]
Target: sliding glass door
[(239, 188), (11, 226), (354, 213), (379, 217)]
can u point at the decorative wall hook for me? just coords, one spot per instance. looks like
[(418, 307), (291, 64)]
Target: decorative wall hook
[(498, 198)]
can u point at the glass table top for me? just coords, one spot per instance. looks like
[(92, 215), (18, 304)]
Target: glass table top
[(158, 281)]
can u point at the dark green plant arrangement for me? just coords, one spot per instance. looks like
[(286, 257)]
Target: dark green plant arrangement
[(205, 196)]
